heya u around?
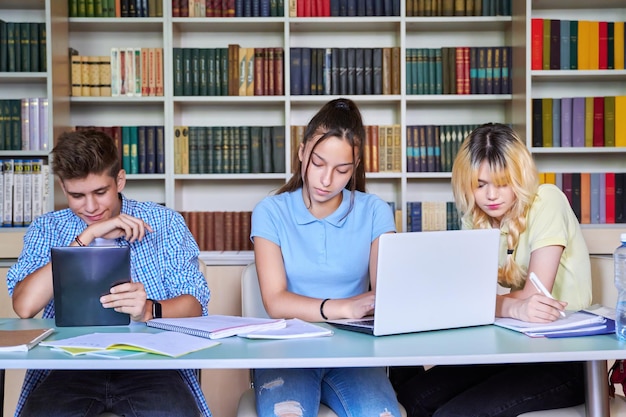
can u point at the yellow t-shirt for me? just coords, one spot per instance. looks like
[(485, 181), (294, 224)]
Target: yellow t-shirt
[(551, 221)]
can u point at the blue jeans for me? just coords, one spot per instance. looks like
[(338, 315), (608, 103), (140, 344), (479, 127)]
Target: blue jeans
[(349, 392), (126, 393), (493, 390)]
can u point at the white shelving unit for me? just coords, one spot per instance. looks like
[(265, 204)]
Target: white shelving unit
[(240, 192)]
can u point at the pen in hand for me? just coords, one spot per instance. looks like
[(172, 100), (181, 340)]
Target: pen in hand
[(542, 289)]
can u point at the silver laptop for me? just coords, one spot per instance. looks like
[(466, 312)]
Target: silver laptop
[(433, 281)]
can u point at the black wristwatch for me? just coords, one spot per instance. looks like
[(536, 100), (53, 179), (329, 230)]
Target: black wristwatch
[(157, 313)]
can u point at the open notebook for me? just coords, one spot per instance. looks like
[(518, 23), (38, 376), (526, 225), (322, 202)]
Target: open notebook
[(433, 280)]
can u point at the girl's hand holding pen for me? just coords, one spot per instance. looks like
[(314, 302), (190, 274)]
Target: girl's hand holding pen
[(553, 303)]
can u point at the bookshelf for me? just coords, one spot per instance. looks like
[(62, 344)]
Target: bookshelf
[(240, 192)]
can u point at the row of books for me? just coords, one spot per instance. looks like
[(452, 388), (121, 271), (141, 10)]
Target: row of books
[(220, 230), (22, 47), (224, 8), (383, 148), (431, 148), (579, 121), (24, 124), (115, 8), (24, 191), (343, 71), (427, 216), (576, 45), (458, 7), (229, 149), (126, 72), (234, 71), (460, 70), (141, 148), (341, 8), (596, 198)]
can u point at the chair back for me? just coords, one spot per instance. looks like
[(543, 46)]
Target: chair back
[(251, 301)]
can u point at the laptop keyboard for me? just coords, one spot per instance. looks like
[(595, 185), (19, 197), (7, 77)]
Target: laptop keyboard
[(363, 322)]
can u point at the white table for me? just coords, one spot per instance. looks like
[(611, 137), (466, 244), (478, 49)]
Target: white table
[(477, 345)]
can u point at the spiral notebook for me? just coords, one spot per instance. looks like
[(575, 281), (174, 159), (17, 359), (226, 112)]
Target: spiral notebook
[(216, 326)]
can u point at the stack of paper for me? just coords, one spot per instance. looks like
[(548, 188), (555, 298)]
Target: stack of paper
[(216, 326), (578, 323), (295, 329)]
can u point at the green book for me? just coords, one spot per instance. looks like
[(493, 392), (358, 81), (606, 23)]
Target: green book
[(82, 8), (3, 46), (255, 150), (177, 60), (90, 8), (235, 149), (141, 150), (194, 163), (33, 39), (278, 149), (134, 150), (244, 149), (43, 55), (203, 68), (187, 80), (573, 44), (223, 71), (589, 122), (73, 8), (203, 144), (218, 149), (210, 146), (98, 8), (610, 32), (195, 71), (227, 161), (212, 67), (266, 149), (24, 29), (546, 122), (126, 148), (16, 125)]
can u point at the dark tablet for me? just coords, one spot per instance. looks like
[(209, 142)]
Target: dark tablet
[(80, 276)]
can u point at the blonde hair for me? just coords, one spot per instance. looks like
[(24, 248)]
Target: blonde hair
[(510, 163)]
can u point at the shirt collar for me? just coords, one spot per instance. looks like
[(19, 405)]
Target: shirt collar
[(304, 216)]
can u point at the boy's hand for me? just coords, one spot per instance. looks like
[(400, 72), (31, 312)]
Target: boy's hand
[(129, 298), (129, 227)]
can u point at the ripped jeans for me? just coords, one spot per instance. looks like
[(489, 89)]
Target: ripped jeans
[(349, 392)]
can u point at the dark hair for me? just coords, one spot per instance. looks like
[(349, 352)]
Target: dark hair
[(339, 118), (80, 153)]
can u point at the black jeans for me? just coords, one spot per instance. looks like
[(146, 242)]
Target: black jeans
[(133, 393), (505, 390)]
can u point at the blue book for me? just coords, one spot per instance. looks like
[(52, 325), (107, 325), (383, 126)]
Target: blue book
[(565, 47)]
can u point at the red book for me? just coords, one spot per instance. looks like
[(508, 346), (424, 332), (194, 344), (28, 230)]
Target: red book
[(466, 70), (610, 197), (536, 38), (325, 8), (175, 8), (301, 8), (603, 46), (598, 121), (279, 76), (459, 70)]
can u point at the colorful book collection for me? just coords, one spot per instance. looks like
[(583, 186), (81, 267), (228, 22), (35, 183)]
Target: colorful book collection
[(596, 198), (115, 8), (345, 71), (458, 7), (126, 72), (22, 47), (431, 148), (141, 148), (227, 8), (24, 124), (382, 151), (460, 70), (229, 149), (343, 8), (24, 191), (579, 122), (220, 230), (576, 45), (231, 71), (426, 216)]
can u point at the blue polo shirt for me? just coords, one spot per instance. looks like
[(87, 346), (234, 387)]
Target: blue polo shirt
[(323, 257)]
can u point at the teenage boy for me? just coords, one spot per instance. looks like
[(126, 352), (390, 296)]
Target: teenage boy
[(165, 282)]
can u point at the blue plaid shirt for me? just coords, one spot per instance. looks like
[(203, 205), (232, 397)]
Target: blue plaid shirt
[(165, 261)]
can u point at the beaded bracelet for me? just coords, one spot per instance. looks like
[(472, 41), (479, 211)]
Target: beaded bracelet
[(77, 240)]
